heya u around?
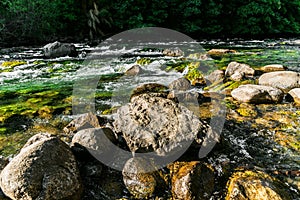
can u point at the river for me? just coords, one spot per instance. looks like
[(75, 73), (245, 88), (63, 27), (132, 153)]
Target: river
[(36, 93)]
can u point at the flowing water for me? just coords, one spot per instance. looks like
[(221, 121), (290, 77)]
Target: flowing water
[(36, 94)]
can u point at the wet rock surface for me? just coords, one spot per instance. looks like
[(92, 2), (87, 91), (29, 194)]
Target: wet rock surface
[(257, 94), (216, 53), (40, 171), (173, 52), (96, 140), (285, 80), (141, 178), (57, 49), (192, 180), (134, 70), (255, 186)]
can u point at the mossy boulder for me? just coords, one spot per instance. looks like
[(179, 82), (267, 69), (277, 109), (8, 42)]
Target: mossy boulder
[(195, 74), (192, 180), (252, 185)]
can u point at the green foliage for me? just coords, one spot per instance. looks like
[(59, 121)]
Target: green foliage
[(46, 20), (36, 21)]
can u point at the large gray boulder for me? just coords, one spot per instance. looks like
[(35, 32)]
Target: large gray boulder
[(44, 169), (257, 94), (152, 123), (57, 49), (284, 80), (237, 71)]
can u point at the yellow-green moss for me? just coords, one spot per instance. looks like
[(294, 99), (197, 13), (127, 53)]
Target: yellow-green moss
[(110, 111), (13, 63), (247, 110), (194, 75), (144, 61)]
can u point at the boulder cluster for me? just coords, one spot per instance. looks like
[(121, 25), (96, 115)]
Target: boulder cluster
[(155, 122)]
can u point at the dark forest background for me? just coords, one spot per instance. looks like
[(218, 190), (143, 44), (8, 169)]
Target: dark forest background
[(29, 22)]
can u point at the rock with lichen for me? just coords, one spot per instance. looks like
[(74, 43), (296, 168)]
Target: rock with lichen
[(255, 186), (192, 180)]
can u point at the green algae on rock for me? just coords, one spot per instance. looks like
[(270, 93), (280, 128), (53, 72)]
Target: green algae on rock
[(255, 186)]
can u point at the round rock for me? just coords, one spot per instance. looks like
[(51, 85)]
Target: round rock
[(44, 169), (139, 178)]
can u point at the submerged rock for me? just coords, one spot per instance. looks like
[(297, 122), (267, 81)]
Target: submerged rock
[(257, 94), (237, 71), (216, 53), (174, 52), (151, 123), (57, 49), (192, 180), (272, 68), (295, 94), (255, 186), (158, 89), (134, 70), (180, 84), (44, 169), (284, 80)]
